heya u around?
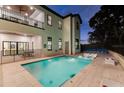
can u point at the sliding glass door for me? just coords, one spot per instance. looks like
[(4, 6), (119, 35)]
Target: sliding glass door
[(23, 47), (14, 48), (6, 48), (20, 48)]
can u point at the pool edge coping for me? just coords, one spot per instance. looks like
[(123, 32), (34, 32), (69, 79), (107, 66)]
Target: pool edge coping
[(35, 82), (62, 85)]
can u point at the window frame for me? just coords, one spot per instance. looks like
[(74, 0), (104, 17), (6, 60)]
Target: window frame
[(48, 20), (77, 25), (60, 25), (10, 48), (77, 43), (60, 41), (49, 39)]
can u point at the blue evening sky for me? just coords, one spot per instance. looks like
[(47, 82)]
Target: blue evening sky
[(85, 11)]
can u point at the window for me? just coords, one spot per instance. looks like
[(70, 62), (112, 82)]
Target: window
[(6, 48), (49, 20), (49, 44), (23, 47), (60, 44), (77, 26), (14, 48), (77, 43), (60, 25)]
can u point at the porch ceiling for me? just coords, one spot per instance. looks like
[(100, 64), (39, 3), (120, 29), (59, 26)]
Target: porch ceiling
[(15, 33), (22, 9)]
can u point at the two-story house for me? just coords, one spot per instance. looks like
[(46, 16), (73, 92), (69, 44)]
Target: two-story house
[(37, 29)]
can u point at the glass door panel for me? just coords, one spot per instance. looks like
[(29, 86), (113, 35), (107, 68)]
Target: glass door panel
[(26, 46), (20, 48), (6, 48), (13, 48)]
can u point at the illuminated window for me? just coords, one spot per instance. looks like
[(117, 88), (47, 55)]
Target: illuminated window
[(14, 48), (49, 43), (60, 44), (49, 20), (60, 25)]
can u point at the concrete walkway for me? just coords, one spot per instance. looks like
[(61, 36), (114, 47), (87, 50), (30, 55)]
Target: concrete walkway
[(99, 74), (94, 75)]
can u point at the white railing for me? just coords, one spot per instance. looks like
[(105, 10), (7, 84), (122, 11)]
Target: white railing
[(19, 18)]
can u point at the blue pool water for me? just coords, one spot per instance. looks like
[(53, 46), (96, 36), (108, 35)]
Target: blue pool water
[(56, 71)]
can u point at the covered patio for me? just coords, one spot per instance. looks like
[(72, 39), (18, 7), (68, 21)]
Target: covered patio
[(19, 46)]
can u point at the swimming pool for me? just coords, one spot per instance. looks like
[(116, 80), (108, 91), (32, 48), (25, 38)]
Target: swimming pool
[(56, 71)]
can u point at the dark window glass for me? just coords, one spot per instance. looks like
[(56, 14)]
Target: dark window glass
[(77, 26)]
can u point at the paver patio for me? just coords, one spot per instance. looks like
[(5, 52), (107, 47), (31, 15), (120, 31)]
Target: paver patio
[(96, 74)]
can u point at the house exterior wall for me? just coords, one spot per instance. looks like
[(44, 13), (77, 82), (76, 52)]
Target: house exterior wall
[(67, 33), (51, 31), (76, 34), (73, 35), (48, 31), (70, 33)]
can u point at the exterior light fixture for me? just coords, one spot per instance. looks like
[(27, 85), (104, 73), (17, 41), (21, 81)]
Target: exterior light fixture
[(8, 7), (26, 14), (31, 8)]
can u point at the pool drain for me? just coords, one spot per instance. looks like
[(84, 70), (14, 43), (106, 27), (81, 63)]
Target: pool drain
[(72, 75), (50, 81)]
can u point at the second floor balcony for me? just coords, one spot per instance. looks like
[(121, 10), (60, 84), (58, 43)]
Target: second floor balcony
[(23, 15)]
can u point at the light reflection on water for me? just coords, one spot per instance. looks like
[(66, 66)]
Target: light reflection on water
[(54, 72)]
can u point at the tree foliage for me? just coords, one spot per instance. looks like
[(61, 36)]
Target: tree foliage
[(108, 26)]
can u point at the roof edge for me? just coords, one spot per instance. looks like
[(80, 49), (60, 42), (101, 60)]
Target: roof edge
[(47, 8), (72, 15)]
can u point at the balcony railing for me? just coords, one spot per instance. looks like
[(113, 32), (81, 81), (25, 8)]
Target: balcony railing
[(17, 17)]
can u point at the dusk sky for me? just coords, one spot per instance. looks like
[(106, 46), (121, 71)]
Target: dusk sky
[(85, 11)]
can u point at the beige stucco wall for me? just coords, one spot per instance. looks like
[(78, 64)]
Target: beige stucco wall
[(76, 34), (73, 35), (67, 33)]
